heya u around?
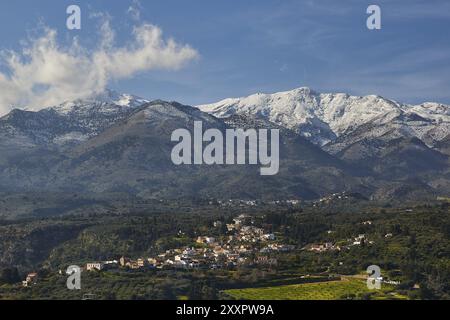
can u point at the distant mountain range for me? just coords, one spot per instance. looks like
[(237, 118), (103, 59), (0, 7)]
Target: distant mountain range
[(324, 117), (330, 143)]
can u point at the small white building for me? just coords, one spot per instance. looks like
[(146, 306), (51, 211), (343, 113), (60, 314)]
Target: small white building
[(30, 280), (189, 252), (210, 240), (269, 236), (95, 266)]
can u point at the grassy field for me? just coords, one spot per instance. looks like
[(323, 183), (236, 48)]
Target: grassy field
[(331, 290)]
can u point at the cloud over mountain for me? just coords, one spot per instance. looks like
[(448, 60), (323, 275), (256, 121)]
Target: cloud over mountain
[(45, 73)]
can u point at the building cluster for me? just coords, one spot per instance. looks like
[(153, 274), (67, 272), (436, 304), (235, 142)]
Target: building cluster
[(332, 198), (237, 203), (244, 244), (30, 280), (322, 247), (330, 246), (275, 247), (255, 203)]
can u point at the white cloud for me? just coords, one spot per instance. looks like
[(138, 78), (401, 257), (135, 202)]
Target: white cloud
[(45, 73), (134, 10)]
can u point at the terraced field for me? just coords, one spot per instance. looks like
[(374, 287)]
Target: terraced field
[(331, 290)]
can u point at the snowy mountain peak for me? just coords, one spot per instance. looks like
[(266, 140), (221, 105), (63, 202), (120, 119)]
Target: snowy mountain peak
[(107, 102), (319, 117), (322, 117), (70, 122), (120, 99)]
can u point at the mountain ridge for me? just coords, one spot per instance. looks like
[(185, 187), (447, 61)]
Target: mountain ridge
[(101, 147), (323, 117)]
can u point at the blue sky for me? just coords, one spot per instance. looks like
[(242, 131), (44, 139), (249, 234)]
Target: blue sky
[(244, 47)]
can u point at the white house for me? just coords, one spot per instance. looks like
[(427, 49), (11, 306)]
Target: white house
[(269, 237), (94, 266)]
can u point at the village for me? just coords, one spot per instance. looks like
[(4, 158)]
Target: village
[(243, 244)]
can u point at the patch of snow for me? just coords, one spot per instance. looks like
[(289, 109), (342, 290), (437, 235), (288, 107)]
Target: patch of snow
[(107, 102), (71, 137)]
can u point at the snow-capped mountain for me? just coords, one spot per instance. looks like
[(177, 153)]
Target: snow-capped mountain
[(323, 117), (134, 156), (70, 122), (121, 143), (107, 102)]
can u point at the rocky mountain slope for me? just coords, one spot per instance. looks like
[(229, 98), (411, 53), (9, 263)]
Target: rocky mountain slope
[(133, 156), (329, 143), (68, 123)]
